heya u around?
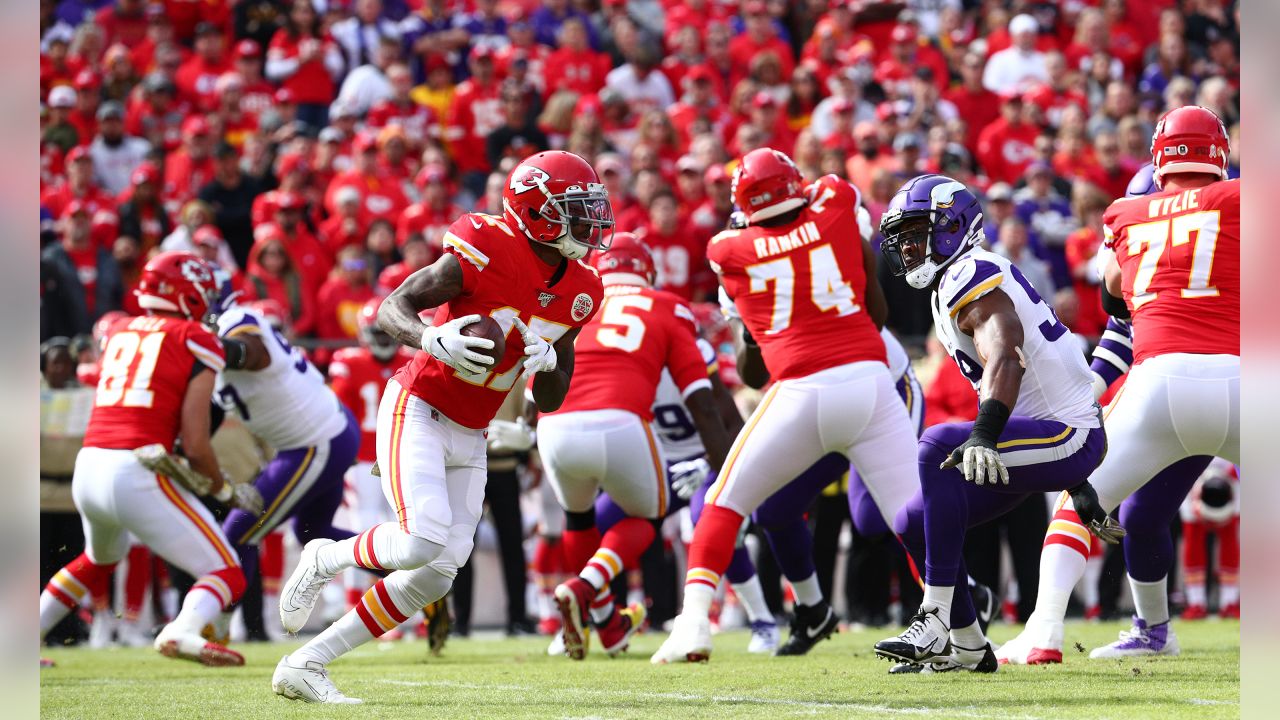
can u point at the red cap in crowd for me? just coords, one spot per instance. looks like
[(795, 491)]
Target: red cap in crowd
[(284, 96), (291, 163), (432, 173), (87, 80), (75, 207), (715, 174), (763, 99), (146, 172), (700, 72), (903, 34), (286, 200), (207, 235), (690, 164), (248, 48), (364, 142), (754, 7), (78, 153), (195, 125)]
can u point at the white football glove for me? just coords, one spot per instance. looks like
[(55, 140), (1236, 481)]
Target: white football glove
[(687, 476), (540, 356), (447, 344), (505, 436), (243, 496), (979, 463)]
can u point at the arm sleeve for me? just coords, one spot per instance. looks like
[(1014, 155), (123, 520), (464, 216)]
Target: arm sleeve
[(1114, 353)]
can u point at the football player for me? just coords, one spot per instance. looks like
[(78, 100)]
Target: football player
[(283, 400), (523, 270), (602, 437), (157, 380), (1176, 273), (803, 281), (357, 376), (1038, 427)]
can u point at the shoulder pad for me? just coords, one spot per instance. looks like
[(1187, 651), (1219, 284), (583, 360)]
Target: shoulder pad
[(473, 234), (240, 321), (967, 280)]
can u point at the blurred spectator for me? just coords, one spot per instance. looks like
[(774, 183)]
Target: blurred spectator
[(305, 61), (380, 243), (273, 276), (142, 215), (1117, 104), (1048, 219), (191, 167), (950, 397), (760, 37), (906, 55), (341, 296), (346, 226), (416, 254), (1006, 145), (712, 215), (518, 137), (58, 129), (434, 32), (997, 209), (127, 254), (370, 84), (1013, 247), (115, 155), (1088, 203), (419, 122), (1171, 61), (363, 35), (679, 253), (256, 21), (231, 196), (433, 215), (380, 194), (57, 365), (1020, 66), (158, 117), (474, 113), (551, 15), (84, 116), (578, 67), (196, 78), (1111, 172), (79, 185), (639, 82), (307, 256), (870, 157), (79, 279)]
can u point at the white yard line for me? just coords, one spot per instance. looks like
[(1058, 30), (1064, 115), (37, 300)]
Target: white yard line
[(735, 699)]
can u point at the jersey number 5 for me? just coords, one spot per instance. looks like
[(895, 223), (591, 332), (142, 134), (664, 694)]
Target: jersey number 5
[(828, 288), (623, 331), (122, 383)]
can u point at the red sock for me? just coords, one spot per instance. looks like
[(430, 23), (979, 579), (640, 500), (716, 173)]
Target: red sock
[(579, 546), (271, 562), (136, 581), (713, 539), (79, 578), (629, 538), (547, 554)]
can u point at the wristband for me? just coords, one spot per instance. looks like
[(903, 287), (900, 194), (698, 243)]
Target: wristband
[(748, 339), (236, 353), (429, 333), (992, 417)]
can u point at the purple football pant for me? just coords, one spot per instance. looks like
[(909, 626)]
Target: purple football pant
[(304, 484), (1148, 513), (1049, 456)]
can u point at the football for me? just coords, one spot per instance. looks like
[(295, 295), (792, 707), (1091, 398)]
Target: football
[(487, 327)]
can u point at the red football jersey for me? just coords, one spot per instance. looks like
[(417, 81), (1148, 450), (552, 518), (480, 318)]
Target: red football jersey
[(619, 357), (1179, 252), (798, 287), (501, 277), (358, 379), (680, 259), (146, 365)]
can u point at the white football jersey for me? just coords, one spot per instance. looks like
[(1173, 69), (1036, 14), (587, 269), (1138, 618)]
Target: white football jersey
[(1057, 384), (676, 432), (286, 404)]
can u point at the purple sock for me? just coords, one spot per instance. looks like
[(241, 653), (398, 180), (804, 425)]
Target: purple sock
[(792, 545)]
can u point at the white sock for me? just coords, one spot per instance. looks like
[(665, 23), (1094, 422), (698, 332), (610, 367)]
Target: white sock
[(199, 608), (1089, 583), (602, 606), (697, 599), (391, 549), (1060, 569), (808, 591), (345, 635), (1228, 594), (969, 638), (751, 595), (939, 596), (1151, 600), (1196, 594), (52, 610)]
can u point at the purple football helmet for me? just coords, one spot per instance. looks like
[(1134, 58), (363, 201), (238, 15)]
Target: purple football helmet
[(930, 222), (1143, 182)]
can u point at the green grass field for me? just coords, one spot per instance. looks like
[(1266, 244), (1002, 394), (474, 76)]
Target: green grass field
[(514, 678)]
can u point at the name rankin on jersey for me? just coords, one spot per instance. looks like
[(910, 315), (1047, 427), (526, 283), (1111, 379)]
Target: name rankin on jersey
[(777, 244)]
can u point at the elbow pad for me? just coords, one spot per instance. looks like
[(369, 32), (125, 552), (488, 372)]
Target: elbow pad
[(236, 352), (1114, 306)]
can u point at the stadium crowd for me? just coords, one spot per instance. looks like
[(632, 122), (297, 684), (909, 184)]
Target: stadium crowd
[(317, 150)]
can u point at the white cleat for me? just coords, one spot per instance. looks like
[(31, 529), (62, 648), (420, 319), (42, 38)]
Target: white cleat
[(927, 638), (689, 641), (556, 648), (1037, 644), (309, 683), (102, 630), (298, 596), (183, 644), (764, 638), (1141, 639)]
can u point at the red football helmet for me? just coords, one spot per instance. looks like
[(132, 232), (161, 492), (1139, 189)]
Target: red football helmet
[(556, 198), (372, 338), (104, 322), (1190, 139), (177, 282), (766, 184), (627, 255)]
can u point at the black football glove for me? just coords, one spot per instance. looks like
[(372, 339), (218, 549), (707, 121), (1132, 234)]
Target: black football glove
[(1085, 500)]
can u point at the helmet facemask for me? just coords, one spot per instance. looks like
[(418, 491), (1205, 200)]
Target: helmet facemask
[(583, 217), (908, 245)]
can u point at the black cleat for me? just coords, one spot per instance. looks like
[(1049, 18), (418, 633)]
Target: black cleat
[(810, 625), (927, 638), (984, 602), (960, 659)]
